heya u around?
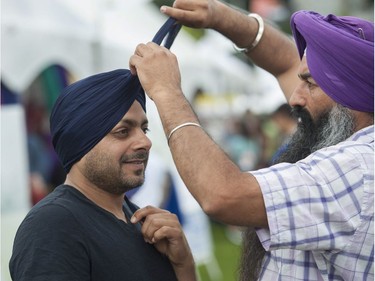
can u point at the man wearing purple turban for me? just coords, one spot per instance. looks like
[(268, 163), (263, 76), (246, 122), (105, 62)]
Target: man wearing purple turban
[(87, 229), (311, 216)]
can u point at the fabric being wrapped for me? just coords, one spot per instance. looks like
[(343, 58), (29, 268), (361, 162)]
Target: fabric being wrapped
[(340, 56), (87, 110)]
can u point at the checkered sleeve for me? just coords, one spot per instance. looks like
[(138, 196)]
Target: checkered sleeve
[(315, 204)]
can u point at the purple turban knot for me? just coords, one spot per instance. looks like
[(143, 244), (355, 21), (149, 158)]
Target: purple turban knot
[(87, 110), (340, 56)]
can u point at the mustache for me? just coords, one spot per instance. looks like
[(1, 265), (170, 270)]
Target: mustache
[(301, 142), (141, 156), (300, 114)]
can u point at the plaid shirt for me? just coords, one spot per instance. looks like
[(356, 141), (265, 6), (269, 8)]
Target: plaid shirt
[(320, 213)]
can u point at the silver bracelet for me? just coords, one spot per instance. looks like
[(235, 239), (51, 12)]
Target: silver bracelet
[(257, 38), (181, 126)]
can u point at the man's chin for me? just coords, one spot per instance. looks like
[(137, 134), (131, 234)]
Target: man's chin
[(134, 181)]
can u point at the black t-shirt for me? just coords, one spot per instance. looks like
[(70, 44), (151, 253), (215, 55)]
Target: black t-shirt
[(67, 237)]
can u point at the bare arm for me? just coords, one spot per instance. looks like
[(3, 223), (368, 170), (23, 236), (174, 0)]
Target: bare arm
[(276, 52), (222, 190)]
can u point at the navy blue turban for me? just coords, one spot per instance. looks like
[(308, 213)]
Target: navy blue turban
[(340, 56), (87, 110)]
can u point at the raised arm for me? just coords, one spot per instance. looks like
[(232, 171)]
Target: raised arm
[(275, 53), (213, 179)]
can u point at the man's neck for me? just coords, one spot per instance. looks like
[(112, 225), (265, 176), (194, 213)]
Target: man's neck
[(110, 202), (362, 119)]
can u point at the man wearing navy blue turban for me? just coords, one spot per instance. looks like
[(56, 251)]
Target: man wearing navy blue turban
[(84, 229), (88, 110), (313, 212), (87, 229)]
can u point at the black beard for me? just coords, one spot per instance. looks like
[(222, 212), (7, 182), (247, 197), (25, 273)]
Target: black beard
[(100, 171), (331, 128), (303, 140)]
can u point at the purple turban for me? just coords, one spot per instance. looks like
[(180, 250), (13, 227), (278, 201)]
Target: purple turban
[(87, 110), (340, 56)]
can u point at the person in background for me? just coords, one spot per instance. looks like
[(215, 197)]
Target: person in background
[(86, 229), (286, 125), (39, 153), (284, 120), (313, 218), (243, 142)]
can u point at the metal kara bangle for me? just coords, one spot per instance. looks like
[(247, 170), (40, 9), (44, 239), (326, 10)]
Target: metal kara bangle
[(181, 126), (258, 37)]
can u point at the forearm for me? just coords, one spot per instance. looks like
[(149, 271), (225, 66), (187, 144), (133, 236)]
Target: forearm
[(186, 272), (275, 53), (190, 146), (213, 179)]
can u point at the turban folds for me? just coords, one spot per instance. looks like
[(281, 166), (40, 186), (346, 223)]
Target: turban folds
[(87, 110), (340, 56)]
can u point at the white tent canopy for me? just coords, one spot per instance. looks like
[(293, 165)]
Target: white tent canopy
[(89, 36), (36, 34)]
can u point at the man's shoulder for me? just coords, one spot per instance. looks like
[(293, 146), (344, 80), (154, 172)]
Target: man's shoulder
[(58, 206), (364, 135), (50, 237)]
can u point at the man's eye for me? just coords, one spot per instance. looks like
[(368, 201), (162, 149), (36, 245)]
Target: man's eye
[(310, 84), (146, 130), (122, 132)]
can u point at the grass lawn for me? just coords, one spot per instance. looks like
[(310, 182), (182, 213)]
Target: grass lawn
[(227, 255)]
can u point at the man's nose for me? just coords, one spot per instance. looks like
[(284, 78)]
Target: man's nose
[(299, 96), (143, 141)]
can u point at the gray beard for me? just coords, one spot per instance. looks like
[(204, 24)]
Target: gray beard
[(331, 128)]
